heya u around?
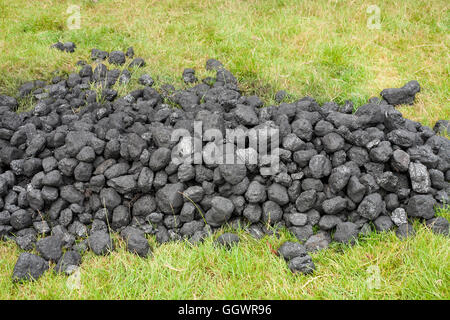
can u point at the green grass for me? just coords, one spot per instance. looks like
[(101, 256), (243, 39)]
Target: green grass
[(318, 48), (416, 268)]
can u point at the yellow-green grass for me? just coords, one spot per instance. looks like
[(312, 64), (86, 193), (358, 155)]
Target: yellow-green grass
[(318, 48)]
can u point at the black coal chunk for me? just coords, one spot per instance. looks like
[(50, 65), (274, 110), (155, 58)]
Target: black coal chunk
[(403, 95), (228, 240), (29, 267)]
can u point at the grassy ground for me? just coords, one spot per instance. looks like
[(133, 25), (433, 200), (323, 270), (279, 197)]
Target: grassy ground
[(318, 48), (378, 267)]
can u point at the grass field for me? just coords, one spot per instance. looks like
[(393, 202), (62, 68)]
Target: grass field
[(379, 267), (320, 48)]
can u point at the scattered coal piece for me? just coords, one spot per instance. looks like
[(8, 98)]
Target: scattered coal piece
[(403, 95), (439, 225), (346, 232), (399, 216), (302, 264), (318, 242), (280, 95), (146, 80), (136, 242), (189, 76), (97, 54), (442, 127), (50, 248), (29, 267), (67, 46), (213, 64), (290, 250), (405, 230), (68, 261), (137, 63), (228, 240), (100, 242), (117, 58)]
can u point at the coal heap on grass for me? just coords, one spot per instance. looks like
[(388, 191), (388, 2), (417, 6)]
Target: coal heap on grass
[(85, 162)]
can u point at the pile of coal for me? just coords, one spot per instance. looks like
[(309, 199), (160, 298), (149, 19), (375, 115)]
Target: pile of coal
[(83, 163)]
